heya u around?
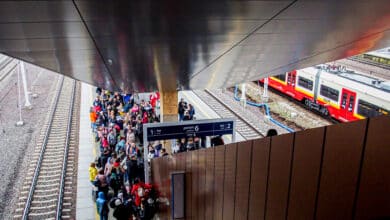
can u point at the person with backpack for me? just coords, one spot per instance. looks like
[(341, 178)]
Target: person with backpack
[(112, 139), (116, 178), (101, 182), (101, 206), (120, 146)]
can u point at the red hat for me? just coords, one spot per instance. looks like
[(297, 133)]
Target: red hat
[(116, 164)]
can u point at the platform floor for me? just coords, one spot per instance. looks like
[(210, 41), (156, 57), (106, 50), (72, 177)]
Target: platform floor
[(85, 207)]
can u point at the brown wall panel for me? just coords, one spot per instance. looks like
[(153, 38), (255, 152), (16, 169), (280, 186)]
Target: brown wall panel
[(260, 153), (201, 183), (156, 175), (219, 174), (188, 166), (164, 165), (373, 200), (230, 181), (209, 185), (244, 150), (331, 176), (195, 186), (279, 176), (340, 168), (171, 166), (305, 173), (181, 162)]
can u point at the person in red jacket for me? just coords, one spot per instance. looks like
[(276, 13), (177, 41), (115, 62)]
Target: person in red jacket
[(140, 190)]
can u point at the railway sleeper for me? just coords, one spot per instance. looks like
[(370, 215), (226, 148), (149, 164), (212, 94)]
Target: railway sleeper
[(47, 185), (52, 162), (36, 202), (49, 178)]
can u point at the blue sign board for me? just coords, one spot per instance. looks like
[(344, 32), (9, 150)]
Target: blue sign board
[(176, 130), (192, 129)]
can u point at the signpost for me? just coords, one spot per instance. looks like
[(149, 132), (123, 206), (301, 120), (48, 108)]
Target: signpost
[(184, 129)]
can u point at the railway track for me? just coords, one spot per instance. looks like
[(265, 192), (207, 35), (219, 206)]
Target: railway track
[(7, 66), (369, 62), (48, 186), (245, 127)]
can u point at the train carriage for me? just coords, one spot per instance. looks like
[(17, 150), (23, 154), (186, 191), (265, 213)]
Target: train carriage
[(342, 94)]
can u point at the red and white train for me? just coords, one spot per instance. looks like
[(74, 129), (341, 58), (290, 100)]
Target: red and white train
[(334, 91)]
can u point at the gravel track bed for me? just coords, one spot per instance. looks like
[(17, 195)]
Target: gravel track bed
[(364, 68), (250, 113), (286, 109), (17, 143)]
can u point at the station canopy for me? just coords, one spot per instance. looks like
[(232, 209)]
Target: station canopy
[(167, 45)]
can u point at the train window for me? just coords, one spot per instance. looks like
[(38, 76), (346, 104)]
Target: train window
[(305, 83), (344, 100), (351, 103), (281, 77), (370, 110), (330, 93)]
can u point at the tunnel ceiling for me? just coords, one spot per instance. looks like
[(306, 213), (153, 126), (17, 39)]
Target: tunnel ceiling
[(143, 45)]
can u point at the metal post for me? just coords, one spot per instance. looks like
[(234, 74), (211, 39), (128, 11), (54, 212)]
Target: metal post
[(243, 95), (234, 132), (20, 122), (265, 92), (146, 163), (26, 93)]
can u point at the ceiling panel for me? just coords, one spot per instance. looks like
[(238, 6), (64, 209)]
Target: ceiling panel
[(163, 43), (143, 45), (304, 34), (37, 11)]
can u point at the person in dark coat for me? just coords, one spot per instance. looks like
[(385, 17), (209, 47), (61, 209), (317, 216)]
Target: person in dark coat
[(132, 168), (121, 212), (181, 108)]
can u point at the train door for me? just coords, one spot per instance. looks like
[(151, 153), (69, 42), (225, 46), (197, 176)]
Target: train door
[(291, 80), (347, 104)]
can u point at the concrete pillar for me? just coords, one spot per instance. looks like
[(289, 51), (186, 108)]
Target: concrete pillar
[(168, 111), (168, 106)]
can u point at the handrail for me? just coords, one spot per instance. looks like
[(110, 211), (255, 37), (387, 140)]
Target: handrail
[(39, 163), (65, 161), (266, 111)]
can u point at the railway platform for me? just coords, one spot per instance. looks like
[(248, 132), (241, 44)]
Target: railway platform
[(85, 207)]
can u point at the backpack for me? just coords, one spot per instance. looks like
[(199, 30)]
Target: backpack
[(139, 128), (111, 139), (115, 179)]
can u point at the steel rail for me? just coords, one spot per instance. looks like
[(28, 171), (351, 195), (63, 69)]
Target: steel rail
[(39, 163), (65, 161), (234, 113), (369, 62)]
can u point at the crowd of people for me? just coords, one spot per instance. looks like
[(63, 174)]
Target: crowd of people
[(118, 173)]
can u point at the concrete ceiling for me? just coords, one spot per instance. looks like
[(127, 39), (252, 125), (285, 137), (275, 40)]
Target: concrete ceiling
[(143, 45)]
